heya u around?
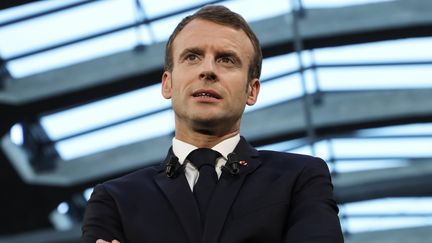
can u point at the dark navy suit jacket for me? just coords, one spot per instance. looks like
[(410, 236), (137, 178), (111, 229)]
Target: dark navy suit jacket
[(276, 197)]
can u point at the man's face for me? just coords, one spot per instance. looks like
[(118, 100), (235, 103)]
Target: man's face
[(209, 81)]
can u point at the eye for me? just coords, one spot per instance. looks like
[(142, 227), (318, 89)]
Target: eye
[(226, 60), (191, 57)]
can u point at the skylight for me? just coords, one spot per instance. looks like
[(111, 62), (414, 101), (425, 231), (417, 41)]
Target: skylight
[(273, 91), (388, 213), (104, 15), (100, 113)]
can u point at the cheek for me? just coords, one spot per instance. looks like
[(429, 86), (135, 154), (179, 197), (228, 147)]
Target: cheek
[(239, 94), (179, 90)]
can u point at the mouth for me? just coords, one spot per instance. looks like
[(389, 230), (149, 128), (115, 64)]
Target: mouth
[(206, 94)]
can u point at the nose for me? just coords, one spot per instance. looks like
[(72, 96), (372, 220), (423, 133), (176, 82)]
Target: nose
[(208, 75), (208, 71)]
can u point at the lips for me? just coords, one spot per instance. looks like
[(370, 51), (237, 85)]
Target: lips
[(206, 94)]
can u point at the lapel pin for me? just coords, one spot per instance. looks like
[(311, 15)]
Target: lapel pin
[(243, 162)]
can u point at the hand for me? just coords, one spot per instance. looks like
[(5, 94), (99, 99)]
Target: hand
[(102, 241)]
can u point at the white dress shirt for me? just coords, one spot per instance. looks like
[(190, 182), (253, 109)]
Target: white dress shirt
[(182, 149)]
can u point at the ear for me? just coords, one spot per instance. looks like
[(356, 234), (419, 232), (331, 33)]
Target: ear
[(166, 85), (253, 91)]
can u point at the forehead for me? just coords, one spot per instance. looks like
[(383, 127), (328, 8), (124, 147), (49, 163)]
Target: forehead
[(212, 36)]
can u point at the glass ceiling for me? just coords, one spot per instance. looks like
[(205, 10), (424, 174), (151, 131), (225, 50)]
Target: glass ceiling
[(272, 92), (81, 21), (386, 214), (376, 153)]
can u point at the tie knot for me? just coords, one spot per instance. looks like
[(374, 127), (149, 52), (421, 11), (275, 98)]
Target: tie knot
[(203, 156)]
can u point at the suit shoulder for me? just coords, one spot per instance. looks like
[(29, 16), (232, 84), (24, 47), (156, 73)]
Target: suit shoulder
[(138, 177), (286, 159)]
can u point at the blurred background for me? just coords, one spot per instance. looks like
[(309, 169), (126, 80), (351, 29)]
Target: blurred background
[(346, 80)]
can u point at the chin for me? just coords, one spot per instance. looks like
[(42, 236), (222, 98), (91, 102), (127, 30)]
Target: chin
[(207, 121), (212, 125)]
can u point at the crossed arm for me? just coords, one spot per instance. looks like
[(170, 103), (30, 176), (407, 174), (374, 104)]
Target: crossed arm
[(312, 217), (102, 241), (101, 208)]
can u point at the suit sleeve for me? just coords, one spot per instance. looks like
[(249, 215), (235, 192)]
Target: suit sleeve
[(101, 219), (313, 215)]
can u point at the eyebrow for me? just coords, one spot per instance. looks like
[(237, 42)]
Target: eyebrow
[(193, 50), (199, 51)]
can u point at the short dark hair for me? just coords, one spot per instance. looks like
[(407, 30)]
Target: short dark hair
[(220, 15)]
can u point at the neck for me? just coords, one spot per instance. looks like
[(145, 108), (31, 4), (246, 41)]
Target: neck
[(202, 138)]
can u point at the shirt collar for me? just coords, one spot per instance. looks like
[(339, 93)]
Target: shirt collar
[(182, 149)]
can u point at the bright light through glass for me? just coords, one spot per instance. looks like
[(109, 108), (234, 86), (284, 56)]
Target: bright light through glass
[(383, 148), (63, 208), (87, 193), (64, 25), (399, 130), (277, 91), (337, 3), (138, 130), (23, 10), (251, 10), (159, 7), (103, 112), (381, 51), (17, 135), (389, 206), (361, 78), (386, 213)]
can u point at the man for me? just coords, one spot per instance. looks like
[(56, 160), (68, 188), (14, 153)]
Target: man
[(212, 70)]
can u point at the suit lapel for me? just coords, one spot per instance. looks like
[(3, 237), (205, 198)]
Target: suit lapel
[(226, 192), (180, 196)]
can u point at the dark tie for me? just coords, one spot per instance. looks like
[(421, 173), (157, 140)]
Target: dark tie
[(204, 160)]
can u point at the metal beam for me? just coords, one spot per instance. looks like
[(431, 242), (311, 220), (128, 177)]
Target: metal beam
[(338, 111), (283, 120), (411, 180), (347, 25)]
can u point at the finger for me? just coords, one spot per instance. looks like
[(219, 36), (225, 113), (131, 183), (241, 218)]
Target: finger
[(101, 241), (115, 241)]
